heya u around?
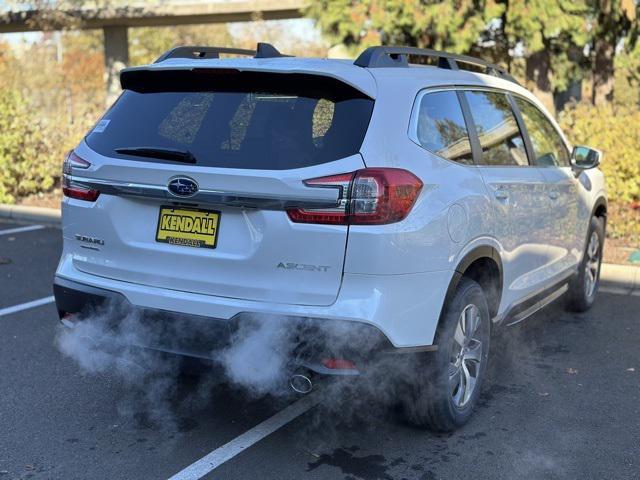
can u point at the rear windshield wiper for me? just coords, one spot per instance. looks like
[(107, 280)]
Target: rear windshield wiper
[(174, 154)]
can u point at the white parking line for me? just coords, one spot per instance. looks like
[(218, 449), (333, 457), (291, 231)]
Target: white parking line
[(28, 228), (220, 455), (26, 306)]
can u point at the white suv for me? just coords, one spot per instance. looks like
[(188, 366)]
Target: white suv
[(378, 207)]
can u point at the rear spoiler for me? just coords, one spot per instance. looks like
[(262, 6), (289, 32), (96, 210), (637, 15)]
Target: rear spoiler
[(155, 79)]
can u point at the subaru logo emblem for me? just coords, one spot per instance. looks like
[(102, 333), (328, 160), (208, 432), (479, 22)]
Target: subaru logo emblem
[(182, 187)]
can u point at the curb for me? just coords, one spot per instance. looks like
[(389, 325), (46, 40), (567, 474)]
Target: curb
[(622, 279), (21, 213)]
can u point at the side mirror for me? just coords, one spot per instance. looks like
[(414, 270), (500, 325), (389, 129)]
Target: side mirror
[(584, 158)]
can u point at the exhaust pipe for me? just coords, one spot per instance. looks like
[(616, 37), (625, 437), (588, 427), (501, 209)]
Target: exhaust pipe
[(69, 320), (301, 383)]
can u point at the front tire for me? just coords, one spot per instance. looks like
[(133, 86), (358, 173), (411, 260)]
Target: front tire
[(584, 287), (447, 384)]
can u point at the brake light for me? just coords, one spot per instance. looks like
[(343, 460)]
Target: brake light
[(71, 190), (372, 196), (331, 216), (80, 193)]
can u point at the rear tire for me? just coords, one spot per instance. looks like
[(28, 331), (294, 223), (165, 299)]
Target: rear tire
[(448, 382), (584, 287)]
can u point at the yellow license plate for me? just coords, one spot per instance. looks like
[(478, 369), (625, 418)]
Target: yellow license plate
[(188, 227)]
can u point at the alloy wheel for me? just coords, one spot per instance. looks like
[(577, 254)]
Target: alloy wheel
[(466, 356), (592, 265)]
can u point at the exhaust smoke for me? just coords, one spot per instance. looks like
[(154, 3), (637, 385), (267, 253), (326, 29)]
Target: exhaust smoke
[(256, 363), (258, 355)]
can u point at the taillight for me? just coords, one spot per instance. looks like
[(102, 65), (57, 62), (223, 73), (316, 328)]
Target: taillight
[(372, 196), (333, 216), (71, 190), (80, 193), (73, 161)]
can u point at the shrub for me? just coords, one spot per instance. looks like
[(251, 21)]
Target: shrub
[(26, 161), (615, 130), (623, 222)]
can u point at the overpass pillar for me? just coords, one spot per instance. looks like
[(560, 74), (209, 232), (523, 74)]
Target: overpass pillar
[(116, 57)]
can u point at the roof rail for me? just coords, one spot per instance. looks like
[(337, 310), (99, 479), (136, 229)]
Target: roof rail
[(263, 50), (379, 57)]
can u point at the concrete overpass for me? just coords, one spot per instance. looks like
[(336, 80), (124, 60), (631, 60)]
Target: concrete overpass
[(115, 20)]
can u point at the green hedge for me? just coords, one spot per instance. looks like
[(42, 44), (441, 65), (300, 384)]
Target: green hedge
[(29, 159), (615, 130)]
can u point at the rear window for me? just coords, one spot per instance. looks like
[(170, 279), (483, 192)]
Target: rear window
[(236, 119)]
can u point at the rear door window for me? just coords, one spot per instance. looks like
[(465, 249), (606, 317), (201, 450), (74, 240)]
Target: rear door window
[(440, 127), (548, 148), (250, 120), (497, 129)]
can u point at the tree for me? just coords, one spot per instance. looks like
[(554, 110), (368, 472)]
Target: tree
[(148, 43), (448, 25), (613, 22), (627, 71), (552, 34)]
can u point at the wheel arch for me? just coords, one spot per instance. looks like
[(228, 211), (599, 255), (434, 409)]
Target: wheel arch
[(483, 265), (599, 209)]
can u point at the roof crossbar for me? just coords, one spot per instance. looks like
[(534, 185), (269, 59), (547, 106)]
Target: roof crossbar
[(380, 57), (263, 50)]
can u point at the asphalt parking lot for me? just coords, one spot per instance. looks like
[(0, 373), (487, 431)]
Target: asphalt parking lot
[(562, 401)]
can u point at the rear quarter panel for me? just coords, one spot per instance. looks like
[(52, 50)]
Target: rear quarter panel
[(452, 211)]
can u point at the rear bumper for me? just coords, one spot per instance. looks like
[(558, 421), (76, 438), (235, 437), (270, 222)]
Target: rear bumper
[(312, 340), (405, 309)]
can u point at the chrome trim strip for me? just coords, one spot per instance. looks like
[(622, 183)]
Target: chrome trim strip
[(324, 197)]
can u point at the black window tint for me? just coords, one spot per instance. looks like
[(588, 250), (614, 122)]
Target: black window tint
[(497, 128), (261, 121), (549, 149), (441, 128)]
